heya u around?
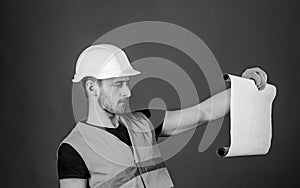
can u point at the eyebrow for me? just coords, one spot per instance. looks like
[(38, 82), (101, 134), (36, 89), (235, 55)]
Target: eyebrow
[(120, 81)]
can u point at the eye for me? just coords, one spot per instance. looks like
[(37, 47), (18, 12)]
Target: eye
[(118, 85)]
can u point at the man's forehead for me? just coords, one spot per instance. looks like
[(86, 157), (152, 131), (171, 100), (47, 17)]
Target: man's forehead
[(119, 79)]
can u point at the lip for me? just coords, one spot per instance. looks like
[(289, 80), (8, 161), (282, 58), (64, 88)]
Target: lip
[(122, 101)]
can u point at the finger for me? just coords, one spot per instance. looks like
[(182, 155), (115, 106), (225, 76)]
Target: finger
[(263, 77), (250, 74), (263, 82), (266, 81), (262, 87), (257, 79), (262, 73), (247, 74)]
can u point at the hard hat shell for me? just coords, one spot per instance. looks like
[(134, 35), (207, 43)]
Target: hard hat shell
[(103, 61)]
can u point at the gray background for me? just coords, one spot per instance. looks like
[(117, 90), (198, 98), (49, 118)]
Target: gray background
[(40, 41)]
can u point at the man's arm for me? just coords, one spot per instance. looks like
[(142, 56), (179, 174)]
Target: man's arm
[(73, 183), (179, 121)]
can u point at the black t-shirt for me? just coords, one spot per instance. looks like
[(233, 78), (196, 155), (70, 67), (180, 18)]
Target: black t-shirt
[(71, 165)]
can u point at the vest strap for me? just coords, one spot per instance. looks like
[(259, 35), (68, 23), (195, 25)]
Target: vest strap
[(133, 171)]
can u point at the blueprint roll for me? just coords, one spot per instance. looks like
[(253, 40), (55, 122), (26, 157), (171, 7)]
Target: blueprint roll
[(250, 118)]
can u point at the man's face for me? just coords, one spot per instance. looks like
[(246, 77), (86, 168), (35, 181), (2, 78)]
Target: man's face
[(114, 94)]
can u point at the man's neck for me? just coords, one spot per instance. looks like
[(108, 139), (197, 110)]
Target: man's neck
[(101, 117)]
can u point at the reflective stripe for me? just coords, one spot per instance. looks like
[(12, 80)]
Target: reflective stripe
[(151, 162), (132, 172), (150, 165), (121, 178)]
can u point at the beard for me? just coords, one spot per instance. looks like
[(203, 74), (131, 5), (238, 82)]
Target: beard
[(106, 104)]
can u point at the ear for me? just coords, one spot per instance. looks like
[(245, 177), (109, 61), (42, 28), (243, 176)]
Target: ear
[(91, 88)]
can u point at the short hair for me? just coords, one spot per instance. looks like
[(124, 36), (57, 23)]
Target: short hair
[(87, 78)]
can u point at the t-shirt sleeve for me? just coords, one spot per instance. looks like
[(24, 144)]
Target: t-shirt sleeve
[(70, 164), (156, 116)]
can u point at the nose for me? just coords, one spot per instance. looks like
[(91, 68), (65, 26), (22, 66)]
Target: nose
[(126, 92)]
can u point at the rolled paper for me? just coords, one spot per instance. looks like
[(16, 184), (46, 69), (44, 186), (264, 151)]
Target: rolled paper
[(250, 118)]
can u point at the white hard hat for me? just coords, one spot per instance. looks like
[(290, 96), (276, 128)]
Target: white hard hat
[(103, 61)]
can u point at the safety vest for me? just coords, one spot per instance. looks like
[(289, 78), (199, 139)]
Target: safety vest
[(112, 163)]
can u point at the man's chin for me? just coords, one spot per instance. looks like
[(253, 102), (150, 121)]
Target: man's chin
[(120, 111)]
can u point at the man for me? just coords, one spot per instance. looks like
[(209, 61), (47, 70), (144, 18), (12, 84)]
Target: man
[(111, 148)]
